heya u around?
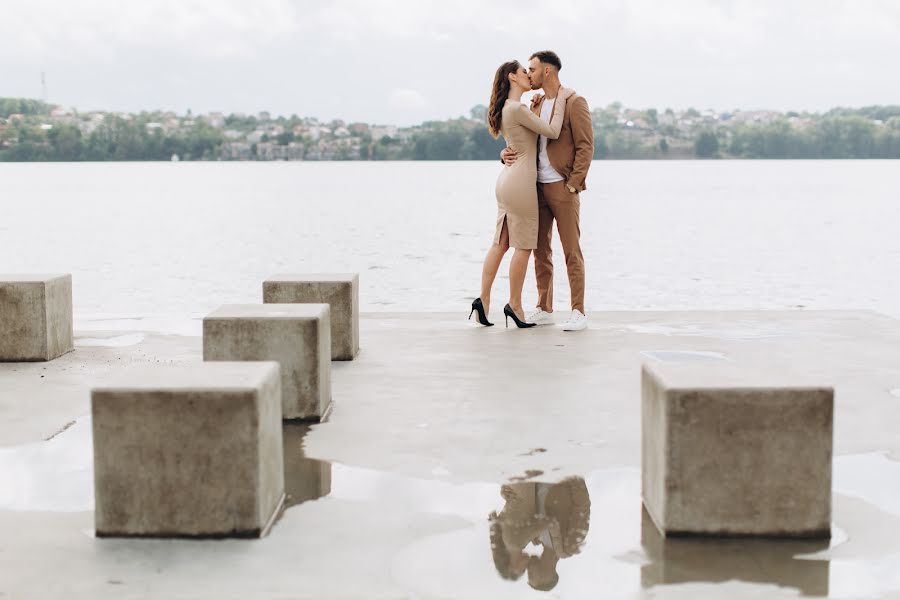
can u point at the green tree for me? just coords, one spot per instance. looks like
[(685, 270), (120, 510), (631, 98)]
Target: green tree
[(23, 106), (479, 145), (707, 144), (66, 142), (439, 145), (601, 147)]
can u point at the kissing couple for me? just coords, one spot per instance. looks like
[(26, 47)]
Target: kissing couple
[(549, 147)]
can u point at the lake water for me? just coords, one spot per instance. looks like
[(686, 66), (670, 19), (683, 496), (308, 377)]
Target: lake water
[(168, 242)]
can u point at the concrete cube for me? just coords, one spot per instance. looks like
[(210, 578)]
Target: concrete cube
[(731, 452), (35, 317), (297, 336), (189, 451), (339, 291)]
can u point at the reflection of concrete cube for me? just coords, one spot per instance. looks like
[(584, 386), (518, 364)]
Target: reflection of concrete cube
[(295, 335), (304, 478), (728, 452), (776, 562), (341, 292), (35, 317), (189, 451)]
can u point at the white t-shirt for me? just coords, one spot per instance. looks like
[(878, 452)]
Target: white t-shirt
[(546, 172), (542, 490)]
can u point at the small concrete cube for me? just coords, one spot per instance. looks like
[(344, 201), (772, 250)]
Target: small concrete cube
[(726, 451), (340, 291), (298, 336), (35, 317), (189, 451)]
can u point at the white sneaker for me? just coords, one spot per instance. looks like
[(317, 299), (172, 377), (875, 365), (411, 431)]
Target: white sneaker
[(539, 317), (576, 322)]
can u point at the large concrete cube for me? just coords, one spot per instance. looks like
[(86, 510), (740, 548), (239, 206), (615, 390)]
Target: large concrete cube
[(189, 451), (35, 317), (726, 451), (297, 336), (339, 291)]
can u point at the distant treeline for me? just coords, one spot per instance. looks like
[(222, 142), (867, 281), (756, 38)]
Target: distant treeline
[(23, 106), (831, 137), (870, 132), (445, 141), (114, 140), (120, 140)]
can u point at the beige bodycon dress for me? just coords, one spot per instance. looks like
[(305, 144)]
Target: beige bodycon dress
[(517, 202)]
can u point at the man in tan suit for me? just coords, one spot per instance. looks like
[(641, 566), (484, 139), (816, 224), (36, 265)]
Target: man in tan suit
[(555, 516), (562, 169)]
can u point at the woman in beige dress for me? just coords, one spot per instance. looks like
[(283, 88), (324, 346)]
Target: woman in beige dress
[(517, 204)]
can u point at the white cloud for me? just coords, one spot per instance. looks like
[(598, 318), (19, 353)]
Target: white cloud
[(99, 28), (431, 59), (405, 99)]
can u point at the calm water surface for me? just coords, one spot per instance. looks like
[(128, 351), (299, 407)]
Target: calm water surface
[(175, 240)]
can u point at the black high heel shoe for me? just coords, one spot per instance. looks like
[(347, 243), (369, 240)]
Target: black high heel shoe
[(509, 312), (482, 319)]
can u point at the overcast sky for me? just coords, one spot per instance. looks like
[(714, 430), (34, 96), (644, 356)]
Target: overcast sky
[(406, 61)]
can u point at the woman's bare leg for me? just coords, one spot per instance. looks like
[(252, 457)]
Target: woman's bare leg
[(491, 265), (518, 267)]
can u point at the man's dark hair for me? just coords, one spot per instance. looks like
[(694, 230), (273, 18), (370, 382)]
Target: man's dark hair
[(548, 57)]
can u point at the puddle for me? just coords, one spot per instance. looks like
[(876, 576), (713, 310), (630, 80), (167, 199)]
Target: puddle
[(684, 355), (119, 341), (182, 325), (872, 477), (751, 331), (895, 392), (516, 540), (53, 475)]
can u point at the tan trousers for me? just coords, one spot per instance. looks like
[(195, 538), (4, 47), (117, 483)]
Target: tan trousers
[(556, 202)]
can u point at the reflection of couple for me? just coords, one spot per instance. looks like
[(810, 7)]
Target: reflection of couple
[(549, 150), (553, 516)]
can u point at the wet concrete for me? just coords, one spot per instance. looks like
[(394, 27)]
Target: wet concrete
[(436, 429)]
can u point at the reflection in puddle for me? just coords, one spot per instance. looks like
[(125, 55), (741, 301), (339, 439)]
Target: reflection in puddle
[(304, 478), (683, 355), (554, 517), (710, 560)]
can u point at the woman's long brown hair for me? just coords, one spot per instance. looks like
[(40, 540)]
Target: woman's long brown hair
[(499, 94)]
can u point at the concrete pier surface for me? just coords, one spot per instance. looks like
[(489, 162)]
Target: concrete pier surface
[(431, 423)]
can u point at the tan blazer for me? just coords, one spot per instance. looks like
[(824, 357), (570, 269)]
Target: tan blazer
[(569, 504), (571, 153)]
